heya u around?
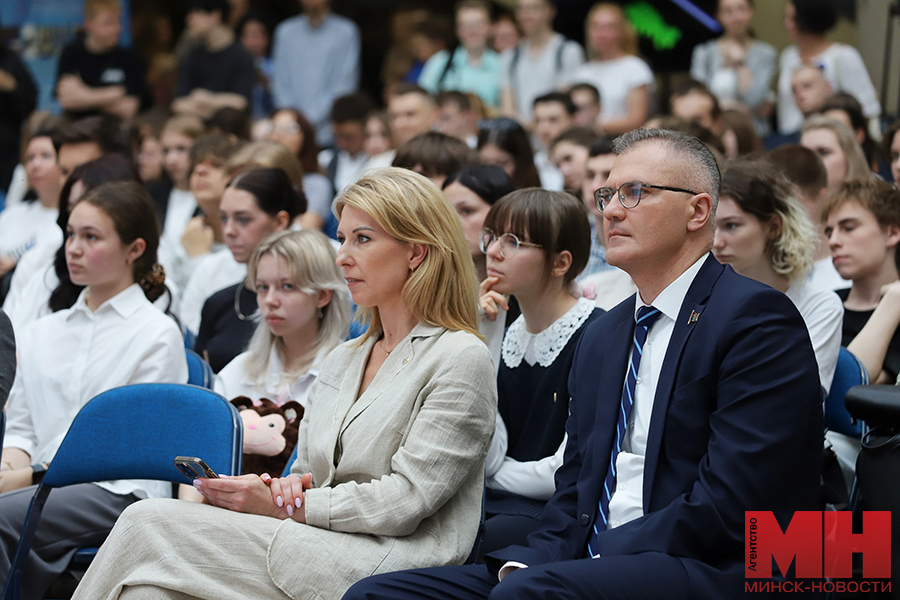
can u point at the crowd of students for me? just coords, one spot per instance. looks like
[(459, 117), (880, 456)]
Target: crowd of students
[(251, 216)]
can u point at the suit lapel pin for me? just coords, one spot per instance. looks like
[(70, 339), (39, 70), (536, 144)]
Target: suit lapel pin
[(693, 318)]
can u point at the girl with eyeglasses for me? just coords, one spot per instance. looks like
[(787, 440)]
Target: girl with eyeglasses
[(536, 242)]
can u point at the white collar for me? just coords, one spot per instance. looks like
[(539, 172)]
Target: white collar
[(669, 301), (126, 302), (547, 343)]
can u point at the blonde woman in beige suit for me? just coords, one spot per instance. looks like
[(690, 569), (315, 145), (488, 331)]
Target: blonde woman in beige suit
[(391, 449)]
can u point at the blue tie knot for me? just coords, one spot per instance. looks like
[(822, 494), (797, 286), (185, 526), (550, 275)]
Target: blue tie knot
[(647, 315)]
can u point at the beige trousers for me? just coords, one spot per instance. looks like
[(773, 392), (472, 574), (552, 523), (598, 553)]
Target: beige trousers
[(172, 549)]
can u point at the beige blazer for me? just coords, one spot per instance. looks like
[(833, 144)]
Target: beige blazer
[(398, 473)]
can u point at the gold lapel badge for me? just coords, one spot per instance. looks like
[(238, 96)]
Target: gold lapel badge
[(693, 318)]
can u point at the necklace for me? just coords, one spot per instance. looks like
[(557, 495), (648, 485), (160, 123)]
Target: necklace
[(383, 349), (237, 305)]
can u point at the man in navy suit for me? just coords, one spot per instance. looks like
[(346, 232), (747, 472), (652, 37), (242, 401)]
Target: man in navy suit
[(692, 402)]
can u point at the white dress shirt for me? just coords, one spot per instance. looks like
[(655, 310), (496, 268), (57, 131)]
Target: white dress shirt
[(234, 380), (215, 271), (627, 501), (172, 254), (70, 356)]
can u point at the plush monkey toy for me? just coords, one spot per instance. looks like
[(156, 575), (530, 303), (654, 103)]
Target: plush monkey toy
[(270, 434)]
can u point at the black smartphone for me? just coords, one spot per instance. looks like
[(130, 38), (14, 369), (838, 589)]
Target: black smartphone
[(193, 467)]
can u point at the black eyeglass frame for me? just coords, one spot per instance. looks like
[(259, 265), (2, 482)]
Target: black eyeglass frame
[(641, 186)]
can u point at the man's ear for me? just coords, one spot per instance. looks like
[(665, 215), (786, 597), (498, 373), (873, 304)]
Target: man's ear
[(701, 211)]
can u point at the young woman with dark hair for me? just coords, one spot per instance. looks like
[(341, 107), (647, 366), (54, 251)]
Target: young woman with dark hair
[(28, 223), (256, 203), (504, 143), (43, 269), (111, 336), (536, 243)]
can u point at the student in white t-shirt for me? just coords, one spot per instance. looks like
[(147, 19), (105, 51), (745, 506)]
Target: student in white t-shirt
[(625, 81), (764, 233), (541, 62), (112, 336), (24, 225), (177, 137), (305, 308)]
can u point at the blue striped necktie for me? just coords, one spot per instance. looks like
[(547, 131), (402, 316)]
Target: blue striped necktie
[(645, 318)]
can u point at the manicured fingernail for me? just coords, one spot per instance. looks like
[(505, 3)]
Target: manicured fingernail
[(197, 483), (279, 501), (290, 510), (299, 502)]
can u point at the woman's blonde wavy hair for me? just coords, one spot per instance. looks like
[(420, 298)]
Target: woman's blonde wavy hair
[(443, 290), (311, 261), (765, 193)]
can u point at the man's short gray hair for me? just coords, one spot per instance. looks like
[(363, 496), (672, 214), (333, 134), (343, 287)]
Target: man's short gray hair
[(701, 172)]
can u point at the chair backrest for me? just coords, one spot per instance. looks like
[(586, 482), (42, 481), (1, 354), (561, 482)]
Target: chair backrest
[(136, 431), (290, 463), (848, 373), (199, 371), (2, 426)]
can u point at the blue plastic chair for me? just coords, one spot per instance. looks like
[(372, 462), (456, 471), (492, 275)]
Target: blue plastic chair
[(189, 339), (199, 371), (848, 373), (290, 462), (145, 426)]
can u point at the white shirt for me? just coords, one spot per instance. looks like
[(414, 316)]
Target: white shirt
[(70, 356), (348, 167), (627, 501), (846, 72), (534, 76), (824, 275), (551, 178), (214, 272), (823, 313), (25, 225), (172, 254), (614, 79), (32, 283), (234, 380)]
